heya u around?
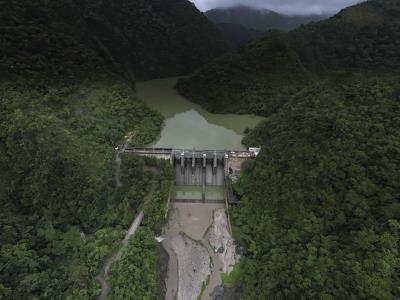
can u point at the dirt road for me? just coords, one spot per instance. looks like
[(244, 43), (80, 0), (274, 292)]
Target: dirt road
[(102, 277)]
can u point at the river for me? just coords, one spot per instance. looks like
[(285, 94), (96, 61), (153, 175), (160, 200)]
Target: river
[(193, 233), (189, 126)]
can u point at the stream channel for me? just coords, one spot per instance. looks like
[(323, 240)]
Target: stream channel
[(197, 236)]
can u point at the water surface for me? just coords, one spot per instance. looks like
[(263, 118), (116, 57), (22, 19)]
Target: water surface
[(189, 126)]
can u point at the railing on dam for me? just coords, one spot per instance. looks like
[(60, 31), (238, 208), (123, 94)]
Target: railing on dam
[(190, 153)]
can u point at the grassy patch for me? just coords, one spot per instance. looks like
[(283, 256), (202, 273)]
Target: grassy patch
[(228, 279)]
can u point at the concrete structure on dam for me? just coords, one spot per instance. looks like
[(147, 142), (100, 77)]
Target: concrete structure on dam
[(202, 170)]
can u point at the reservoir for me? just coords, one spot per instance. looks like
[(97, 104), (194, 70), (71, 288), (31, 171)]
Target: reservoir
[(196, 236), (189, 126)]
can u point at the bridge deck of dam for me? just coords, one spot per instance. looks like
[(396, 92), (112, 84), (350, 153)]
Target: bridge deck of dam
[(190, 153)]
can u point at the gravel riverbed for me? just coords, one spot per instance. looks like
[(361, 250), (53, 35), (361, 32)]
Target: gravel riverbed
[(200, 247)]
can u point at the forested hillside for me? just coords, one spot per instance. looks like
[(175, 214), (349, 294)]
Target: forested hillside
[(319, 213), (237, 34), (64, 107), (262, 74), (141, 38), (259, 19), (61, 211)]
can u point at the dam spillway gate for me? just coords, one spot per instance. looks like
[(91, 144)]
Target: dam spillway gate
[(200, 174)]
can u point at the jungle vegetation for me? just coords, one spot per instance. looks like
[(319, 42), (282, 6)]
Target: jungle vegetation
[(136, 39), (263, 74), (319, 217), (67, 98), (61, 211), (319, 213)]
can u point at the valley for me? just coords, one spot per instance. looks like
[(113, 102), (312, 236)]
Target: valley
[(153, 151), (195, 267)]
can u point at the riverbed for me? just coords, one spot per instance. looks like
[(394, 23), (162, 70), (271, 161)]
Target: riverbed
[(197, 235)]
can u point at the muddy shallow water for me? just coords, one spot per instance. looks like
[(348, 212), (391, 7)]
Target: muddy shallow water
[(188, 125)]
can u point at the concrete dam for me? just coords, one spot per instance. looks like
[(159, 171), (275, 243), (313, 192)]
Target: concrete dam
[(200, 174)]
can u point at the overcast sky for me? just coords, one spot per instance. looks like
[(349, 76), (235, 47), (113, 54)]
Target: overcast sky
[(282, 6)]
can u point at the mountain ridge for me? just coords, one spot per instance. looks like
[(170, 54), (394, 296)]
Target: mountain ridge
[(257, 80), (143, 39), (259, 19)]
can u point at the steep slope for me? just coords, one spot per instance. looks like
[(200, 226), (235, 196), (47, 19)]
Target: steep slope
[(259, 19), (260, 76), (142, 38), (320, 214), (64, 107), (237, 34)]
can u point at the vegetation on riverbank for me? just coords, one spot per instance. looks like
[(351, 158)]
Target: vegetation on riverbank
[(228, 279), (135, 275), (320, 216), (138, 264)]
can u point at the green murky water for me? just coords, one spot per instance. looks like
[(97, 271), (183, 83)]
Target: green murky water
[(188, 193), (187, 125)]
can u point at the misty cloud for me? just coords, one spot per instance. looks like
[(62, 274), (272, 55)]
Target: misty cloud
[(303, 7)]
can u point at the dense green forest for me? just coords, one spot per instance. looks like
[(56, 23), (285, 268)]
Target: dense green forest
[(141, 38), (238, 35), (138, 264), (61, 211), (135, 273), (319, 217), (319, 213), (264, 73), (67, 98)]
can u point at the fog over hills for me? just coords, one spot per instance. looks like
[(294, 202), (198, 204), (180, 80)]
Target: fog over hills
[(287, 7), (260, 19)]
